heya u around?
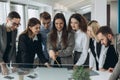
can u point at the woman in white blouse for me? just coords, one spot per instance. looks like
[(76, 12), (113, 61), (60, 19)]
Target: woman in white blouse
[(96, 50), (78, 24)]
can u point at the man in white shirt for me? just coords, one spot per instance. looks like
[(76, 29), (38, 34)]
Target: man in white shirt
[(105, 35)]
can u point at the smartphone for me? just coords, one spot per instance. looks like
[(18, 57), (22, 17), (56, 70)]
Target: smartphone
[(31, 76), (9, 77)]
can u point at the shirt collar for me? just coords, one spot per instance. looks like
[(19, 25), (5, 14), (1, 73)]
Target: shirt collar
[(35, 38)]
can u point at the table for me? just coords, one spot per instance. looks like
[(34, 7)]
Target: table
[(101, 75), (52, 74), (40, 74)]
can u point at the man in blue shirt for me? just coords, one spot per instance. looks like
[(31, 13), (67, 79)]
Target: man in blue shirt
[(46, 25)]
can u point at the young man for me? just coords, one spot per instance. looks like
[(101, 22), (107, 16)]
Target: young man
[(8, 33), (105, 35), (46, 26)]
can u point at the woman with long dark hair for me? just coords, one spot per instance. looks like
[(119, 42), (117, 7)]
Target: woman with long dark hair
[(60, 42)]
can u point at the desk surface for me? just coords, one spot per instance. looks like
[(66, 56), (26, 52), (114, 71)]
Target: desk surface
[(53, 74), (101, 75)]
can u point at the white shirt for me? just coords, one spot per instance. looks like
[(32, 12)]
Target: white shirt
[(35, 38), (81, 45), (59, 35), (101, 59)]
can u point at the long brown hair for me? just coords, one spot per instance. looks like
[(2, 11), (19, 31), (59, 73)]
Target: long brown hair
[(82, 21), (53, 34), (31, 23)]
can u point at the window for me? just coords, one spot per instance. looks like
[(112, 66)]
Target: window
[(20, 10)]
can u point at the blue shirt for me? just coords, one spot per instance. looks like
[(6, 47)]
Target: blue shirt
[(44, 33)]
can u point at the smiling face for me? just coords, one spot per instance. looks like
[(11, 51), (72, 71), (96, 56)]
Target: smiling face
[(74, 24), (59, 24), (13, 23), (35, 29)]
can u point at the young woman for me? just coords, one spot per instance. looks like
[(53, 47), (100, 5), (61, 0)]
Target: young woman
[(78, 24), (30, 44), (60, 42), (96, 50)]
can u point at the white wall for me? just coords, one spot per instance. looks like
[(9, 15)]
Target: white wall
[(99, 11), (114, 16)]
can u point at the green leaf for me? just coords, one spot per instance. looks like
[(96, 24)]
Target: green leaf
[(80, 73)]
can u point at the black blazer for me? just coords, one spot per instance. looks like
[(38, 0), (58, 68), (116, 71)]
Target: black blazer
[(3, 44), (111, 58), (98, 51), (27, 48)]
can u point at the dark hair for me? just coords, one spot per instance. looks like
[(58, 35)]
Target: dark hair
[(13, 14), (53, 34), (105, 30), (45, 15), (31, 23), (82, 22)]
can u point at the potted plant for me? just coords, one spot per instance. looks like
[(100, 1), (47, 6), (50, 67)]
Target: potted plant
[(79, 73)]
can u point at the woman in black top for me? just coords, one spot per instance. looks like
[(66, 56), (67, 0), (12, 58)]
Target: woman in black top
[(30, 44)]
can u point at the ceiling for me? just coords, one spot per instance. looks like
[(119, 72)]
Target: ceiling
[(72, 5)]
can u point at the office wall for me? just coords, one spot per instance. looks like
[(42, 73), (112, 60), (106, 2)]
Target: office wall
[(114, 16)]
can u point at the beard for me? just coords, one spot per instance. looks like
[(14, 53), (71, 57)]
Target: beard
[(108, 43)]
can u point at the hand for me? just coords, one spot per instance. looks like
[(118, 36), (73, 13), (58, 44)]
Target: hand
[(14, 69), (102, 69), (56, 54), (74, 67), (47, 64), (90, 68), (52, 54), (110, 69), (4, 69)]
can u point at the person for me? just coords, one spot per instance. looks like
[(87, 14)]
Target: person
[(96, 50), (8, 34), (60, 42), (46, 25), (78, 24), (105, 35), (116, 72), (29, 44)]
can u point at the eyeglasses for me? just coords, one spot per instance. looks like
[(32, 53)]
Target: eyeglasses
[(15, 24)]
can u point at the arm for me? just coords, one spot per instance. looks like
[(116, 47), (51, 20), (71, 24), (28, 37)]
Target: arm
[(22, 48), (84, 54), (42, 58), (111, 58), (91, 60), (1, 57), (2, 63), (1, 44), (102, 57), (50, 49), (116, 71), (40, 50), (4, 68)]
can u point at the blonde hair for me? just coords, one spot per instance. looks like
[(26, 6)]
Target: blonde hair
[(95, 26)]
